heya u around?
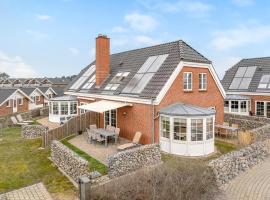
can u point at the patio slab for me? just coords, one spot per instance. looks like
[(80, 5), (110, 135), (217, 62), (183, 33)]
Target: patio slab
[(45, 122), (97, 151)]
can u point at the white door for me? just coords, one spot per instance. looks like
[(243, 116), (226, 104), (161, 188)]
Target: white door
[(15, 105)]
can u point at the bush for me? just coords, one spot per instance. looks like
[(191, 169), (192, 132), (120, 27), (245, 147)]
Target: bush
[(175, 179)]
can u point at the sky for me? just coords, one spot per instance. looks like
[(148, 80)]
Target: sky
[(57, 37)]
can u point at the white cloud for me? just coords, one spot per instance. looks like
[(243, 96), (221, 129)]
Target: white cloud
[(74, 51), (43, 17), (243, 2), (119, 29), (244, 35), (146, 40), (187, 6), (141, 22), (15, 66), (36, 34)]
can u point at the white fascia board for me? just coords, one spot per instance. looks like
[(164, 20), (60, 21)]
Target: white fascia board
[(50, 88), (18, 90), (176, 72), (114, 98), (250, 93)]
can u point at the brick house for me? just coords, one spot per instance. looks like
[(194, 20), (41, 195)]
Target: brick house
[(169, 92), (39, 99), (247, 85), (13, 101)]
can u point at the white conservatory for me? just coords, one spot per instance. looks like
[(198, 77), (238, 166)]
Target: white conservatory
[(62, 108), (187, 130)]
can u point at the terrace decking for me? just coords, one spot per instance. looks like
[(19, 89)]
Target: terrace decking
[(98, 151)]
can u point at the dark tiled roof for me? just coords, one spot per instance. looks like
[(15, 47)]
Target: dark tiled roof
[(131, 61), (59, 90), (27, 90), (5, 93), (181, 109), (263, 67)]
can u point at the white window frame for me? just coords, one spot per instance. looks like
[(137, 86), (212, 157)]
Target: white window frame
[(110, 118), (181, 134), (9, 103), (20, 101), (185, 78), (82, 111), (71, 105), (66, 105), (202, 81), (55, 103), (209, 132), (196, 134), (38, 98)]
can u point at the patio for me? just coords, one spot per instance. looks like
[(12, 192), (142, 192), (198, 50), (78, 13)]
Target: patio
[(45, 122), (98, 151)]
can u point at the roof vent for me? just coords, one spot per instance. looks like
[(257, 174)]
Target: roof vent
[(260, 68)]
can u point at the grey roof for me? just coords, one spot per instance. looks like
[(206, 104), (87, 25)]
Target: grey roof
[(59, 90), (181, 109), (28, 90), (64, 98), (236, 97), (5, 93), (44, 89), (263, 68), (131, 61)]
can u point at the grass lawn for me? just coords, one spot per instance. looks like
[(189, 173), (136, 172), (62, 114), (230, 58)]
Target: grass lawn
[(93, 163), (23, 163), (224, 147)]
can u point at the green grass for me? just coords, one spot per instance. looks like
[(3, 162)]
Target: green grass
[(224, 147), (94, 164), (23, 163)]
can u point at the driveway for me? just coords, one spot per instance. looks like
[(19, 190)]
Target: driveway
[(253, 184)]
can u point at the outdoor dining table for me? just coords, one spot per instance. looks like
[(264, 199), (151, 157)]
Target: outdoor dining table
[(105, 134), (227, 128)]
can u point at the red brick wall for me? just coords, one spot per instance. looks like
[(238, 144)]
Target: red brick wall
[(24, 107), (41, 101), (257, 98), (4, 110), (102, 59)]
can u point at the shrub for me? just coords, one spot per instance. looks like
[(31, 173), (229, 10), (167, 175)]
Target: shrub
[(176, 179)]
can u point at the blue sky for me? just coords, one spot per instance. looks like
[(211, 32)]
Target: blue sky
[(57, 37)]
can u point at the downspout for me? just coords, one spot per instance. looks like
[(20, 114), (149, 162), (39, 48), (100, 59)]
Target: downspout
[(153, 121)]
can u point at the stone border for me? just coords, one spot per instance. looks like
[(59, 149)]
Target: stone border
[(133, 159), (33, 131), (70, 162)]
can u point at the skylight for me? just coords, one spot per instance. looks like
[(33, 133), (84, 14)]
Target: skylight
[(83, 78), (91, 81), (265, 82), (115, 82), (145, 74), (243, 77)]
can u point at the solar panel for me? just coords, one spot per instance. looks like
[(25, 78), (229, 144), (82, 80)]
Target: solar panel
[(142, 83), (144, 68), (262, 86), (157, 63), (132, 83), (245, 83), (264, 82), (265, 79), (250, 71), (240, 72), (235, 83), (84, 77), (90, 82)]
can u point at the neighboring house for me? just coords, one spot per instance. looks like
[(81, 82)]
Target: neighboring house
[(247, 85), (50, 93), (169, 92), (13, 101), (37, 96)]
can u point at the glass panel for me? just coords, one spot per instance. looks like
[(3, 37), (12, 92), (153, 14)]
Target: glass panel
[(144, 68), (243, 106), (132, 83), (209, 128), (165, 127), (55, 108), (143, 82), (196, 130), (240, 72), (235, 83), (187, 81), (113, 118), (73, 108), (107, 118), (265, 79), (202, 81), (84, 77), (180, 129), (262, 86), (64, 108), (260, 108), (245, 83), (158, 62), (250, 71), (234, 106)]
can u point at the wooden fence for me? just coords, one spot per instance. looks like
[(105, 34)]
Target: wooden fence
[(72, 126)]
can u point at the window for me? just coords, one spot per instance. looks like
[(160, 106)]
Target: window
[(110, 118), (112, 86), (83, 78), (209, 128), (187, 80), (91, 81), (243, 77), (64, 108), (165, 127), (20, 101), (264, 82), (226, 106), (8, 103), (37, 98), (33, 98), (50, 108), (196, 129), (55, 108), (234, 106), (243, 106), (260, 108), (202, 81), (73, 108), (82, 111), (180, 129)]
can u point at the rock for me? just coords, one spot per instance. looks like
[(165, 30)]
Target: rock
[(33, 131)]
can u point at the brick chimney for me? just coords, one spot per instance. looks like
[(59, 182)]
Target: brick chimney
[(102, 58)]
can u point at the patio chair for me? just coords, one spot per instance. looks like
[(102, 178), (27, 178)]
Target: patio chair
[(117, 132), (99, 138), (108, 127), (20, 119), (15, 122), (91, 136), (135, 142)]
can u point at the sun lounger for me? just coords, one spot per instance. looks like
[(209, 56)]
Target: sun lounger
[(15, 122), (20, 119), (135, 142)]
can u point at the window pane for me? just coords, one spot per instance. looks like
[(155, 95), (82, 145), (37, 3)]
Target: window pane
[(55, 108), (234, 106), (260, 108), (165, 127), (180, 129), (235, 83), (240, 72), (243, 106), (187, 80), (196, 130), (209, 128), (64, 108)]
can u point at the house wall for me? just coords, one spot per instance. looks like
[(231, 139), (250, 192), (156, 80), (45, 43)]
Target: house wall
[(24, 107), (139, 117), (4, 110), (257, 98)]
